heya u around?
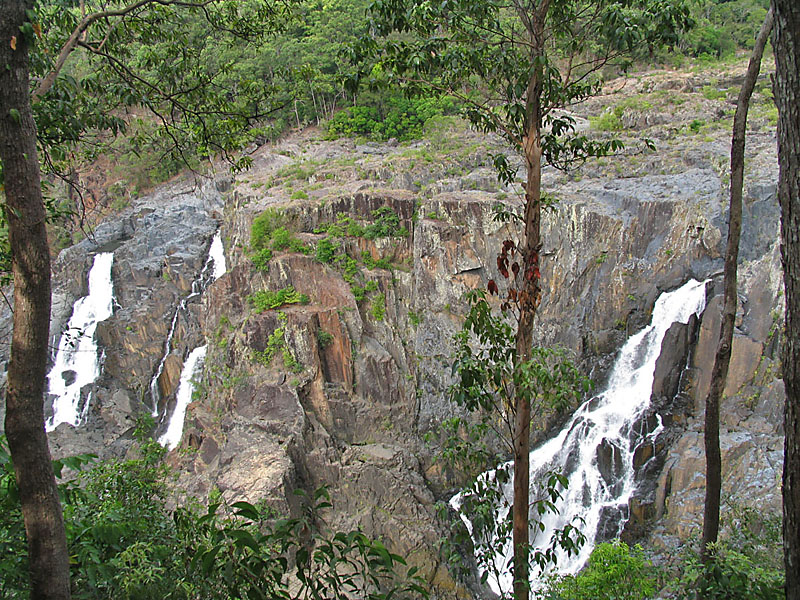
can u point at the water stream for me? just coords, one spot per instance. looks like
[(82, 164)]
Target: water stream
[(595, 448), (214, 268), (77, 363), (193, 365)]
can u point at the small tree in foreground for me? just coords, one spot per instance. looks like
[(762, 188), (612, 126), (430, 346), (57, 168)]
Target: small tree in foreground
[(488, 378), (515, 64)]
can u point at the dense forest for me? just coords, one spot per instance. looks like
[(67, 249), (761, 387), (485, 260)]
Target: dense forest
[(124, 97)]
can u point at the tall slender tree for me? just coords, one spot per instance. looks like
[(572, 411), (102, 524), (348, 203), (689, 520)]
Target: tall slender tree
[(514, 64), (786, 45), (719, 373)]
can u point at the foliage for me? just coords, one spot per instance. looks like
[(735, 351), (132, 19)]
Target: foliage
[(271, 232), (126, 543), (615, 572), (327, 250), (284, 239), (324, 338), (385, 223), (276, 343), (378, 307), (261, 259), (263, 227), (722, 27), (264, 300), (397, 117), (487, 379), (747, 562)]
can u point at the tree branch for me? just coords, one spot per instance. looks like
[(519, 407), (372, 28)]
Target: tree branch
[(86, 22)]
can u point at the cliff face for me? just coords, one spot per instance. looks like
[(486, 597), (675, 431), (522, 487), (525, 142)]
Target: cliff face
[(367, 360)]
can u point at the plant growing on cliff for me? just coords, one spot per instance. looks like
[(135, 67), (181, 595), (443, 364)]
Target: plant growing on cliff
[(527, 59), (264, 300)]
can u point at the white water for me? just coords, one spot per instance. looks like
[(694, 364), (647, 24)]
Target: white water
[(605, 420), (216, 255), (77, 363), (214, 268), (193, 365)]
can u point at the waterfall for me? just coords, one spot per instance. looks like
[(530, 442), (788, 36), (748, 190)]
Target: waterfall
[(194, 363), (214, 268), (601, 426), (216, 256), (77, 363)]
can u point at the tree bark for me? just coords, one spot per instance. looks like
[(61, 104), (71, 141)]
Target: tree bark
[(24, 422), (786, 45), (719, 374), (529, 299)]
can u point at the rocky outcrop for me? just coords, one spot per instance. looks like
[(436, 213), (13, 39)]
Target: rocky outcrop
[(160, 246), (341, 391)]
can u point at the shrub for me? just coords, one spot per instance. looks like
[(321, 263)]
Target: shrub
[(126, 543), (324, 338), (261, 259), (401, 118), (265, 300), (747, 562), (378, 307), (263, 226), (327, 250), (610, 120), (283, 239), (615, 572)]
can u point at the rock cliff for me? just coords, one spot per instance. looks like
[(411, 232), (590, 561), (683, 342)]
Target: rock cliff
[(341, 390)]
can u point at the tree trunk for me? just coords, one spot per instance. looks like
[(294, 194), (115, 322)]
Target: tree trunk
[(722, 360), (786, 44), (529, 298), (24, 422)]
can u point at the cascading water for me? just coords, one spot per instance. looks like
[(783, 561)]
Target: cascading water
[(594, 450), (214, 268), (194, 363), (216, 256), (77, 363)]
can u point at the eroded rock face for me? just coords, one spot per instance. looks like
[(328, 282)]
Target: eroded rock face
[(363, 381), (160, 246)]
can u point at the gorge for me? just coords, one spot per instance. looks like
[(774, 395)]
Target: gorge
[(351, 408)]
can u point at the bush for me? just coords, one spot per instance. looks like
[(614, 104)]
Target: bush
[(327, 250), (125, 543), (263, 226), (400, 118), (265, 300), (747, 561), (615, 572)]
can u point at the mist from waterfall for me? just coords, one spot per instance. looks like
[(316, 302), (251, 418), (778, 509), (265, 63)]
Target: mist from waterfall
[(77, 363), (595, 449)]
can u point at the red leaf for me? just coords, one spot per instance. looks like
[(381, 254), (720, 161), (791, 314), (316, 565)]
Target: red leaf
[(515, 269), (492, 287)]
